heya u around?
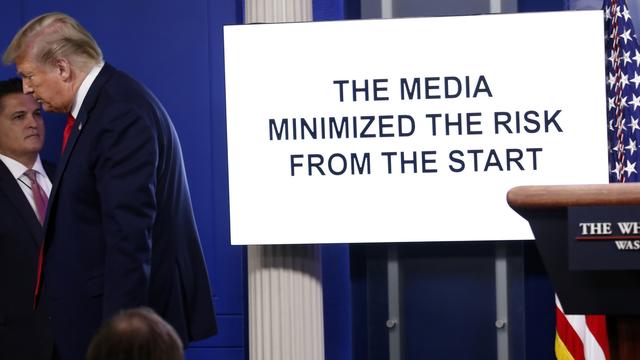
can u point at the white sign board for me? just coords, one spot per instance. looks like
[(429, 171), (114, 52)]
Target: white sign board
[(409, 129)]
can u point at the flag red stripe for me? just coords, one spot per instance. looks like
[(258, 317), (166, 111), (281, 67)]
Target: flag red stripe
[(597, 324), (568, 335)]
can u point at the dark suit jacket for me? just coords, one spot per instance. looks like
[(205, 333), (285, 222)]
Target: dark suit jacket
[(120, 230), (24, 334)]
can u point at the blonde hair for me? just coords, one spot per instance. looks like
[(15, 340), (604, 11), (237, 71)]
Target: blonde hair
[(52, 36)]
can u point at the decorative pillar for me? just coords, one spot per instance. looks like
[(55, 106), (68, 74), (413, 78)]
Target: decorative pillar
[(285, 281), (274, 11), (285, 303)]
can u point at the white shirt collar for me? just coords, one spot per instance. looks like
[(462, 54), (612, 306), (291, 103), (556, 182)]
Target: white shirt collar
[(84, 89), (17, 169)]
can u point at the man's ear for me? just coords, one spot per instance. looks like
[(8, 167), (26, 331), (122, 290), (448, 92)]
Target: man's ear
[(63, 68)]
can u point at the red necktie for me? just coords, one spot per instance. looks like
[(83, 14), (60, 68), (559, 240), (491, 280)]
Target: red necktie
[(40, 199), (36, 291), (67, 130)]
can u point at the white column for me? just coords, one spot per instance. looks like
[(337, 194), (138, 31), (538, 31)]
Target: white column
[(285, 281), (285, 303), (273, 11)]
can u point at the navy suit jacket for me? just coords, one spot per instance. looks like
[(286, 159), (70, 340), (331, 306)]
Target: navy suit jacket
[(120, 230), (24, 334)]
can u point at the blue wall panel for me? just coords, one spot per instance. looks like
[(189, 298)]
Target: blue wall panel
[(231, 333), (223, 13), (449, 300), (540, 5), (369, 301), (10, 21), (215, 354), (540, 320), (337, 301)]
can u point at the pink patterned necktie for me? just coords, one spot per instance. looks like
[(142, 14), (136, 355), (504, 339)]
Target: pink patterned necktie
[(40, 198)]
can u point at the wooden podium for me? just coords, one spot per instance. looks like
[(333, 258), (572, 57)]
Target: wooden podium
[(615, 293)]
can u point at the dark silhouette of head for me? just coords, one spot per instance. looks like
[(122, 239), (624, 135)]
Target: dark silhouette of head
[(136, 334)]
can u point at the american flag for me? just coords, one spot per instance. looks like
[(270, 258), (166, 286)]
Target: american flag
[(623, 92), (585, 336)]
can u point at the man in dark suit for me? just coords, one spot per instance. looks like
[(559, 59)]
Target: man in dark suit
[(120, 231), (24, 333)]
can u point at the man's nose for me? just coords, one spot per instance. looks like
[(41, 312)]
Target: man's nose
[(31, 121), (26, 88)]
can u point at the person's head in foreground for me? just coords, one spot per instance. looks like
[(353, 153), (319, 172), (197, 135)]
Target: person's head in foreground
[(136, 334)]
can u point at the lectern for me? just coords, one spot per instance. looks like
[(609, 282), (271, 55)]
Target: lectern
[(600, 289)]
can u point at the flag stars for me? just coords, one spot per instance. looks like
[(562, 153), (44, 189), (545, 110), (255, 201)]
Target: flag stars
[(614, 58), (611, 79), (618, 148), (615, 11), (626, 36), (630, 168), (623, 98), (618, 170), (621, 126), (636, 79), (635, 101), (625, 13), (626, 57), (631, 147), (624, 80), (623, 102), (634, 124), (636, 57)]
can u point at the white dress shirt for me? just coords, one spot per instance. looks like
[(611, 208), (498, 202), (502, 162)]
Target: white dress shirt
[(17, 170), (84, 89)]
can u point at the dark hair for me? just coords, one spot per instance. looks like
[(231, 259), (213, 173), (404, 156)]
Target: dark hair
[(9, 86), (136, 334)]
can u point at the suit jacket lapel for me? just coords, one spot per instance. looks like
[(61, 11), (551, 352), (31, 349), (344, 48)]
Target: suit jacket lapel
[(49, 168), (10, 187), (89, 102)]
